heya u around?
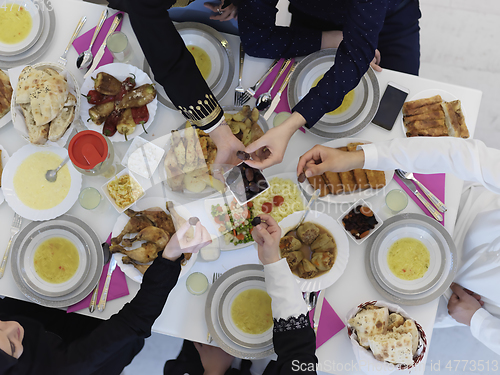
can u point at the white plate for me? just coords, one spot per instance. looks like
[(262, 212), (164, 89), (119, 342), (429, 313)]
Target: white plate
[(120, 72), (123, 219), (36, 28), (347, 197), (445, 95), (328, 278), (7, 117), (253, 271), (17, 114), (17, 205), (5, 159)]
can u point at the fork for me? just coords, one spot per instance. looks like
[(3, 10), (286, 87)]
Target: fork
[(239, 90), (14, 229), (408, 175), (251, 90), (62, 59), (214, 279)]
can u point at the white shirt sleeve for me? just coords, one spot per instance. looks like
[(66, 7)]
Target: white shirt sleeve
[(284, 291), (486, 328), (468, 159)]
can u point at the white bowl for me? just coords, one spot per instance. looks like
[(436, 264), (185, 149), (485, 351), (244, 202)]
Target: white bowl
[(104, 189), (357, 203)]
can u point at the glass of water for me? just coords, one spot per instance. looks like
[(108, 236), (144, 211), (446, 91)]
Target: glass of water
[(90, 198), (119, 47)]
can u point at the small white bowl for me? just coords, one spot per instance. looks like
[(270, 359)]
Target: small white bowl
[(104, 189), (362, 203)]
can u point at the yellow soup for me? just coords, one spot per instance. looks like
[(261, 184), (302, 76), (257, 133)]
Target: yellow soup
[(15, 23), (202, 60), (408, 259), (56, 260), (31, 186), (346, 103), (251, 311)]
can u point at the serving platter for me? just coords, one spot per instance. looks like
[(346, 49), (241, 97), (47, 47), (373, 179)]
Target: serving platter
[(120, 72), (63, 223), (328, 278), (351, 121), (443, 261), (254, 273), (218, 49), (355, 195), (145, 203), (5, 159), (10, 193)]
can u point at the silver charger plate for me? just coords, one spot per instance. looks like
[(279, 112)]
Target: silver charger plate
[(356, 117), (96, 260), (222, 82), (436, 286), (212, 312), (40, 46)]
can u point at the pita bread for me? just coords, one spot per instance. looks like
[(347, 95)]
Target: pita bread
[(62, 121), (5, 94), (395, 320), (28, 79), (48, 98), (38, 135), (368, 323), (409, 327), (392, 347)]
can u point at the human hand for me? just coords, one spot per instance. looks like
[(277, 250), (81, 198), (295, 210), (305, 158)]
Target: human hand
[(375, 64), (227, 145), (215, 361), (267, 235), (228, 13), (179, 244), (320, 159), (463, 304)]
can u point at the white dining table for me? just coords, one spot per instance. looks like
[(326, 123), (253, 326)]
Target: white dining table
[(184, 314)]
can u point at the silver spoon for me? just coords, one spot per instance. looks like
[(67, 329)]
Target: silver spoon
[(85, 58), (313, 198), (51, 174), (264, 100)]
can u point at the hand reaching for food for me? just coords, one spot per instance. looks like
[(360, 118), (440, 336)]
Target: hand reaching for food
[(179, 243), (228, 13), (321, 159), (227, 146), (463, 304), (267, 235)]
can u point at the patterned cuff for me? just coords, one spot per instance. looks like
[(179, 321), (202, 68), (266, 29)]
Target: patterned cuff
[(292, 323)]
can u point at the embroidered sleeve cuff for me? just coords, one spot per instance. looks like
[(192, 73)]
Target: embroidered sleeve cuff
[(211, 129), (292, 323), (371, 156), (204, 114), (477, 321)]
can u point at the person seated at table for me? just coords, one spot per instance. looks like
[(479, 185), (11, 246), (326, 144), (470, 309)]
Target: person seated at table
[(476, 232), (380, 33), (293, 338), (175, 69), (27, 348)]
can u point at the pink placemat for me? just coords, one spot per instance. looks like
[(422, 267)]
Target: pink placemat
[(82, 43), (117, 287), (329, 323), (283, 105), (434, 182)]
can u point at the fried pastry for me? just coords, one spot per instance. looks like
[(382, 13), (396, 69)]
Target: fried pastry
[(332, 179), (376, 179), (410, 106), (317, 182), (455, 120)]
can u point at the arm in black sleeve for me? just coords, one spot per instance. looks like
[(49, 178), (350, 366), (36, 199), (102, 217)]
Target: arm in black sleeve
[(172, 64)]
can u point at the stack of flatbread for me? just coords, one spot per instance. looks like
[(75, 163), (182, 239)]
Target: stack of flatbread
[(348, 182), (47, 106), (435, 118), (5, 94), (389, 336)]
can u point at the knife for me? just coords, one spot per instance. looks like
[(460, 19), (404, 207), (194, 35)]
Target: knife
[(277, 97), (104, 295), (317, 310), (427, 205), (100, 52)]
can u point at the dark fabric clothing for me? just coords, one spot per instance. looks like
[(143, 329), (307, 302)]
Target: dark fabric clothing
[(389, 25), (108, 348), (172, 64)]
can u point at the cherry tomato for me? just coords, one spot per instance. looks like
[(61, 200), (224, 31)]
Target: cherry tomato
[(250, 204), (219, 208), (267, 207), (278, 200)]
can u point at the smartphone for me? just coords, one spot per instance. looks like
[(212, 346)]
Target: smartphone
[(390, 105)]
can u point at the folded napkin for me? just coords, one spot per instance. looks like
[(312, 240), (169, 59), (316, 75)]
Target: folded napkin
[(117, 287), (283, 105), (329, 323), (82, 43), (433, 182)]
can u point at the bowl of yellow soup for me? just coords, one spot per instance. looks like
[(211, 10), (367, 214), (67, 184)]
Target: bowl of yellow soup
[(28, 192), (22, 25), (55, 262)]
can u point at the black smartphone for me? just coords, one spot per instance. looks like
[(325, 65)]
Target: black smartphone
[(390, 105)]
